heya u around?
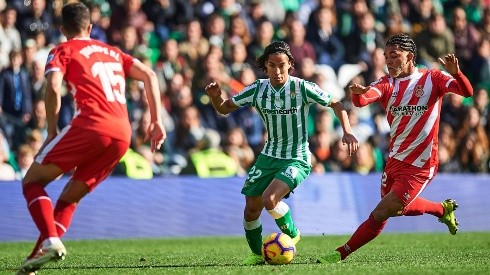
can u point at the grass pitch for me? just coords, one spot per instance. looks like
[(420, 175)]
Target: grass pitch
[(428, 253)]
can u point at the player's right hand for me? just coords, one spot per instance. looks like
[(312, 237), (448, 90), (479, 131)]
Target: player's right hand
[(156, 134), (358, 89), (213, 89)]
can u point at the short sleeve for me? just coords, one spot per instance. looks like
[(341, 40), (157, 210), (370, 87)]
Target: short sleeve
[(58, 59)]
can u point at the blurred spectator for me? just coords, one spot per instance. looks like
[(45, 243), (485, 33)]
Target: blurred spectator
[(207, 159), (447, 149), (35, 140), (171, 62), (260, 10), (194, 45), (363, 41), (480, 63), (362, 129), (339, 160), (168, 16), (129, 40), (265, 34), (142, 147), (98, 10), (474, 145), (251, 123), (363, 160), (189, 130), (37, 19), (418, 12), (216, 30), (451, 110), (236, 146), (38, 82), (9, 35), (484, 24), (320, 143), (473, 153), (308, 14), (396, 24), (129, 14), (300, 47), (239, 31), (29, 53), (238, 60), (377, 67), (347, 13), (38, 121), (467, 38), (25, 157), (480, 101), (325, 40), (15, 98), (434, 42)]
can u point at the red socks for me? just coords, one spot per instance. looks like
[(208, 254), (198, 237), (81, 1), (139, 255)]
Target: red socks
[(63, 214), (40, 207), (420, 206), (367, 231)]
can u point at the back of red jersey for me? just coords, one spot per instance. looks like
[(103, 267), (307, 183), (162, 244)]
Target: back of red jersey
[(95, 73)]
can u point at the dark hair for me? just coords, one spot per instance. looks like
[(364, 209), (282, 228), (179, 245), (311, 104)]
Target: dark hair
[(274, 48), (76, 17), (405, 42)]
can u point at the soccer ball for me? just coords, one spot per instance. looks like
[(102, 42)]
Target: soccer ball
[(278, 248)]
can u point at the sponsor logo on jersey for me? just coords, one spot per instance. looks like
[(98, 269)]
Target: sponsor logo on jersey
[(408, 110), (280, 111)]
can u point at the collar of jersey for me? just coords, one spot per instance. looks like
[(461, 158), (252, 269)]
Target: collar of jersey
[(283, 87)]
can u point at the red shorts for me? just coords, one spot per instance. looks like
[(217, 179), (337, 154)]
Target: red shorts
[(93, 155), (405, 180)]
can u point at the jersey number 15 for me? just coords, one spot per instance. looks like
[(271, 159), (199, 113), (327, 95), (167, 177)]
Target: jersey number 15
[(112, 82)]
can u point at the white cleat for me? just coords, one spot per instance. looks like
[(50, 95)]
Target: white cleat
[(52, 249)]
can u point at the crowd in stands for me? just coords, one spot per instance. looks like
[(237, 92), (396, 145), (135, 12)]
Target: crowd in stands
[(192, 42)]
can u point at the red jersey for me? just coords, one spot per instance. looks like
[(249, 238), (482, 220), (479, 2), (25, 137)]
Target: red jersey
[(95, 73), (413, 106)]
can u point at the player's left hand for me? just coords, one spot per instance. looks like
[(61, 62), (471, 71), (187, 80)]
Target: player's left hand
[(156, 134), (351, 142), (450, 63)]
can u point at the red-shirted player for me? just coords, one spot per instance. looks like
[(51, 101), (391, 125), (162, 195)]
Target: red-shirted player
[(412, 98), (97, 137)]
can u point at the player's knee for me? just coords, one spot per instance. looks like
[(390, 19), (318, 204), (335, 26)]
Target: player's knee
[(269, 202), (251, 214)]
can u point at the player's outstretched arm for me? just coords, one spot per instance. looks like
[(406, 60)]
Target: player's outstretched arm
[(463, 87), (222, 105), (155, 132), (349, 139)]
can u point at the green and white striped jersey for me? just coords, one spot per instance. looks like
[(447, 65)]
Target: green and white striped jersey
[(285, 114)]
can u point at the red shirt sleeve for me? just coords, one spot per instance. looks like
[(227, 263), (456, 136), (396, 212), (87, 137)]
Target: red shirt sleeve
[(58, 59)]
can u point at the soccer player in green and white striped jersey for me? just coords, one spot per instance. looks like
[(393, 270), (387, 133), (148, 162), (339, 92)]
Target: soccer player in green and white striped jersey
[(283, 102)]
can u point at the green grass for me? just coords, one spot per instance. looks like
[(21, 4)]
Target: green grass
[(434, 253)]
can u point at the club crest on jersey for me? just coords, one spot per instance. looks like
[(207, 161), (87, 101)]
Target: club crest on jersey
[(292, 95), (419, 91)]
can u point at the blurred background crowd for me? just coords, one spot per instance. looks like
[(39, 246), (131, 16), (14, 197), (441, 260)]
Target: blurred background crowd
[(192, 42)]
